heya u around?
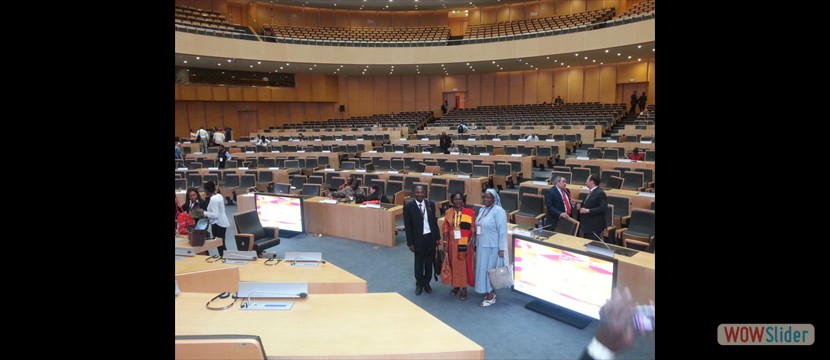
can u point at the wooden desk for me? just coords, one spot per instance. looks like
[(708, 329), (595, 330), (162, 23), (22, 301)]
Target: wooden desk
[(628, 146), (527, 161), (182, 242), (333, 326), (351, 221), (638, 201), (588, 135), (334, 158), (564, 146), (322, 279), (611, 164), (472, 185)]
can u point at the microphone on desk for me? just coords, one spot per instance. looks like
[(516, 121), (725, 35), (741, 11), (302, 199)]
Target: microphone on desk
[(301, 295), (306, 259)]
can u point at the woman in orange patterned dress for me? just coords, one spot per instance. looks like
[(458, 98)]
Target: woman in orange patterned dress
[(459, 235)]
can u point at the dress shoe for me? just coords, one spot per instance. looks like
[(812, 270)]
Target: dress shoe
[(463, 295), (418, 290), (428, 289), (454, 291)]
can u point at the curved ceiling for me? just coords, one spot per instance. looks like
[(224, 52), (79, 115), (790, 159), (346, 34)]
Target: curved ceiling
[(391, 5)]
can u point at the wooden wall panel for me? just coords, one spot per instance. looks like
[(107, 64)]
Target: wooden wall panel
[(516, 12), (213, 114), (220, 93), (590, 91), (502, 14), (234, 93), (544, 86), (501, 93), (560, 84), (297, 112), (515, 83), (381, 96), (436, 94), (249, 94), (367, 95), (578, 6), (607, 84), (546, 9), (561, 7), (295, 16), (532, 11), (318, 87), (488, 87), (196, 113), (441, 18), (422, 93), (407, 93), (312, 111), (263, 94), (384, 19), (412, 19), (282, 114), (576, 83), (395, 97), (326, 18), (398, 19), (632, 72), (473, 90), (266, 114), (183, 125), (231, 118), (530, 81), (475, 16), (329, 111), (204, 92), (341, 18), (281, 15), (188, 93), (353, 107), (356, 19), (312, 17), (455, 83), (651, 85)]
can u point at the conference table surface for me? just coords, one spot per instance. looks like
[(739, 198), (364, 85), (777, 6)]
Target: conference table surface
[(333, 326), (322, 279), (351, 221), (565, 147), (605, 164), (182, 242)]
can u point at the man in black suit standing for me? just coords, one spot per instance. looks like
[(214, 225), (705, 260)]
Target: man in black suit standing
[(634, 102), (422, 237), (559, 202), (592, 211)]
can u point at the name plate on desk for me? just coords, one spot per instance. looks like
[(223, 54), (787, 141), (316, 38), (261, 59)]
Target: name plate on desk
[(522, 140), (300, 151), (426, 174), (392, 172), (373, 151), (181, 168), (275, 151), (536, 182), (360, 139), (249, 152), (235, 262), (360, 170), (454, 153), (426, 152), (402, 139), (583, 158), (186, 142), (243, 168), (295, 139), (623, 160), (328, 169), (329, 201), (550, 140), (424, 139), (471, 139), (213, 168), (372, 206), (522, 232), (273, 168), (610, 141), (646, 194), (496, 139), (645, 142), (318, 139), (197, 153), (485, 154), (516, 155), (398, 152), (463, 176), (326, 151), (231, 140)]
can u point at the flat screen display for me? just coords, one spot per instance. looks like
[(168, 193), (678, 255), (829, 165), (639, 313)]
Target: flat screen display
[(282, 211), (575, 280)]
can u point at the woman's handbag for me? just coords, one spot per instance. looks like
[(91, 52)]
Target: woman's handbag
[(446, 270), (198, 234), (501, 277), (184, 221)]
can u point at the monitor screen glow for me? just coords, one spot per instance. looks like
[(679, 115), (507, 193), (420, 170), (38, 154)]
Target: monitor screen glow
[(281, 211), (573, 279)]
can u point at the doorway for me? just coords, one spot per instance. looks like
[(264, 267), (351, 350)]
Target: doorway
[(456, 99), (624, 92)]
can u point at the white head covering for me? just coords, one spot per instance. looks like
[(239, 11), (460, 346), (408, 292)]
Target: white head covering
[(495, 195)]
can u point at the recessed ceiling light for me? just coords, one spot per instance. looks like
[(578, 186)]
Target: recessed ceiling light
[(547, 58), (315, 65), (188, 70), (569, 66), (629, 56), (185, 61), (280, 67), (576, 54), (595, 60), (494, 61), (618, 54), (606, 51), (219, 64), (309, 68), (651, 50), (586, 58), (561, 63), (197, 58), (287, 64), (639, 59), (259, 62), (251, 65), (602, 63), (341, 65), (229, 60), (639, 46)]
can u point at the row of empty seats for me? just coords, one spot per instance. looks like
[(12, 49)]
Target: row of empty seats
[(640, 8), (371, 34), (528, 26), (414, 119), (533, 114)]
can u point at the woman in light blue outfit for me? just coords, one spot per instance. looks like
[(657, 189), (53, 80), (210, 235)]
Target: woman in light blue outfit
[(491, 243)]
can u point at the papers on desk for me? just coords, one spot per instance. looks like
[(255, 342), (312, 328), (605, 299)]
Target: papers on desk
[(426, 174), (373, 151), (392, 172), (186, 142), (197, 153), (583, 187), (550, 140), (300, 151), (231, 141), (516, 155), (463, 176), (243, 168), (485, 154), (360, 139), (402, 139), (273, 168), (471, 139), (451, 153), (496, 139), (248, 195), (213, 168), (249, 152), (181, 191), (360, 170), (424, 139), (275, 151), (426, 152), (326, 151), (623, 160), (645, 194), (536, 182), (583, 158), (318, 139), (329, 201), (645, 142), (522, 232), (522, 140), (328, 169), (371, 206), (398, 151), (181, 168), (610, 141)]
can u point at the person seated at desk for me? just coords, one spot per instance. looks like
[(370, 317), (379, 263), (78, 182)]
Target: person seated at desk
[(636, 155), (353, 192), (532, 137), (347, 183), (454, 149), (263, 141), (375, 194)]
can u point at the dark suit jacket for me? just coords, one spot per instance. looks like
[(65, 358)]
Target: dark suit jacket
[(553, 200), (597, 204), (414, 222), (200, 203)]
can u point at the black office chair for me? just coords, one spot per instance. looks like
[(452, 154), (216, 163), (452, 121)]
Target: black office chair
[(567, 226), (251, 236), (640, 229)]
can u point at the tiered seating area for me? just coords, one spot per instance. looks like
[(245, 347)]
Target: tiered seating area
[(641, 8), (508, 116), (412, 119), (430, 35), (587, 20), (208, 22)]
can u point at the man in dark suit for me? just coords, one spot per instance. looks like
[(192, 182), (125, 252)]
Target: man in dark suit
[(592, 211), (559, 202), (634, 102), (422, 237)]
